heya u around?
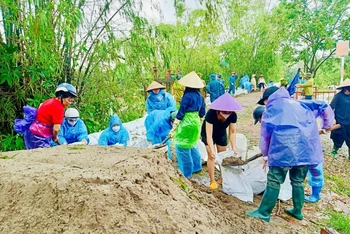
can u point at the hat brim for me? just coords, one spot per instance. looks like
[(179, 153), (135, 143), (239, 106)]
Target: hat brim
[(255, 121), (261, 102)]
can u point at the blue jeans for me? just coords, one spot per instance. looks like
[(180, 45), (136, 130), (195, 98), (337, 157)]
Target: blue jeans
[(308, 97)]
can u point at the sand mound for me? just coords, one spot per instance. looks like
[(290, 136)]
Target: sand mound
[(110, 190)]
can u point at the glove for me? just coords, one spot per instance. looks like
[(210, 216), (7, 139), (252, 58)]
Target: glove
[(175, 124)]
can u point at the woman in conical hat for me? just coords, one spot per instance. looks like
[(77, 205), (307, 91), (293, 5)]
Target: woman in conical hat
[(159, 105), (221, 116), (158, 99), (186, 127), (341, 106)]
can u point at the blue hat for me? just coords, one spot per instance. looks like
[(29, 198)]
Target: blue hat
[(212, 76), (257, 113)]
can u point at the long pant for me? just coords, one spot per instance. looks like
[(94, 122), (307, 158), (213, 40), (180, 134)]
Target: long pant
[(261, 86), (308, 97), (340, 135), (232, 90), (277, 175), (315, 176), (188, 160)]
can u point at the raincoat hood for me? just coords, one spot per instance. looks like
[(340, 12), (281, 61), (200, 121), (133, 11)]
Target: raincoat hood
[(115, 120)]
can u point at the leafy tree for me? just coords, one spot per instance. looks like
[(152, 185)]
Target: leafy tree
[(312, 29)]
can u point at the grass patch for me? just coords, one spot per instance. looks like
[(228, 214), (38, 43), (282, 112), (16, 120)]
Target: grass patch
[(340, 185), (7, 157), (338, 221), (76, 148)]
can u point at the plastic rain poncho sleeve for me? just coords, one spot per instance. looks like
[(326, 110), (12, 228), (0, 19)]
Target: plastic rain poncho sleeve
[(110, 137), (22, 125), (160, 101), (321, 110), (158, 125), (289, 132), (69, 134)]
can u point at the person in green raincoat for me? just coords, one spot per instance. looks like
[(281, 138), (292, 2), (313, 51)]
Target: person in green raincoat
[(186, 127)]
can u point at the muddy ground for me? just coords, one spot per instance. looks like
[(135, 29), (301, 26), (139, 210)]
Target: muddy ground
[(94, 189)]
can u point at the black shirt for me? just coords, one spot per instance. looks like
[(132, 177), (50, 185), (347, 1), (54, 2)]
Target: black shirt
[(341, 106), (219, 128)]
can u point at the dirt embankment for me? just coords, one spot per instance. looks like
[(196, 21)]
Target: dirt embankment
[(94, 189)]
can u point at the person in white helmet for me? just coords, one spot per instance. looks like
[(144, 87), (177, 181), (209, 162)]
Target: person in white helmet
[(49, 118), (73, 129)]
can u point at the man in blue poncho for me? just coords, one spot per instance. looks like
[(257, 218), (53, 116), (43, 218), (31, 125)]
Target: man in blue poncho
[(222, 85), (114, 134), (290, 139), (232, 79), (213, 88), (73, 129), (158, 99)]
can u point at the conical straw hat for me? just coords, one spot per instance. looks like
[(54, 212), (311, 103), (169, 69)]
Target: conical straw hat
[(345, 83), (191, 80), (225, 103), (154, 85)]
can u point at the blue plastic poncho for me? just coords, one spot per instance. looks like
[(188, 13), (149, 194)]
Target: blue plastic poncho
[(315, 176), (214, 88), (289, 132), (244, 83), (110, 137), (158, 125), (159, 101), (69, 134), (21, 126)]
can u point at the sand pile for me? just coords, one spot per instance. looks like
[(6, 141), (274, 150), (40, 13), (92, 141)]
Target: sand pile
[(111, 190)]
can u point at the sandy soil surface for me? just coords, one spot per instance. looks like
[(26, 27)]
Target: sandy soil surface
[(94, 189)]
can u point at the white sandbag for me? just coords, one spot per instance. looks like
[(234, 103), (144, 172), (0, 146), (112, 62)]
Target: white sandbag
[(131, 126), (285, 190), (241, 144), (234, 182), (93, 137), (202, 151), (257, 175)]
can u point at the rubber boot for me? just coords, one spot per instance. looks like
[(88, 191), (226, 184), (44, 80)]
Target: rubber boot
[(267, 204), (334, 151), (298, 202), (315, 196)]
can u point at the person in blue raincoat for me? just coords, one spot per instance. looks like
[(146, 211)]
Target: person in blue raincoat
[(73, 129), (158, 99), (222, 85), (115, 133), (232, 79), (213, 88), (186, 126), (158, 125), (291, 141)]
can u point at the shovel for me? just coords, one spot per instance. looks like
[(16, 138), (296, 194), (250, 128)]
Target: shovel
[(228, 163), (161, 144)]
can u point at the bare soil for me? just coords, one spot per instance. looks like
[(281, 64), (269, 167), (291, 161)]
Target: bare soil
[(91, 189)]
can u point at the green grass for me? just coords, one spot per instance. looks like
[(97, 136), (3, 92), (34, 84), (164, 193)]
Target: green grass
[(338, 221), (340, 185)]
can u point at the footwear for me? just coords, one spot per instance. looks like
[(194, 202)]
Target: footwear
[(349, 153), (267, 204), (213, 185), (298, 202), (315, 196), (334, 151)]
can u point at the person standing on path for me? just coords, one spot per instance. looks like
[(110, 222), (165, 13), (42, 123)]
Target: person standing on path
[(341, 106), (308, 87), (291, 141), (232, 80), (186, 126)]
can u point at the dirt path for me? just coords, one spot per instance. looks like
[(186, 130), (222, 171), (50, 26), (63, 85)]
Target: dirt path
[(112, 190)]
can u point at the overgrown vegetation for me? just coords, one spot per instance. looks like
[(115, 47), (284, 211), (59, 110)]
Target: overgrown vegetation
[(107, 50)]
